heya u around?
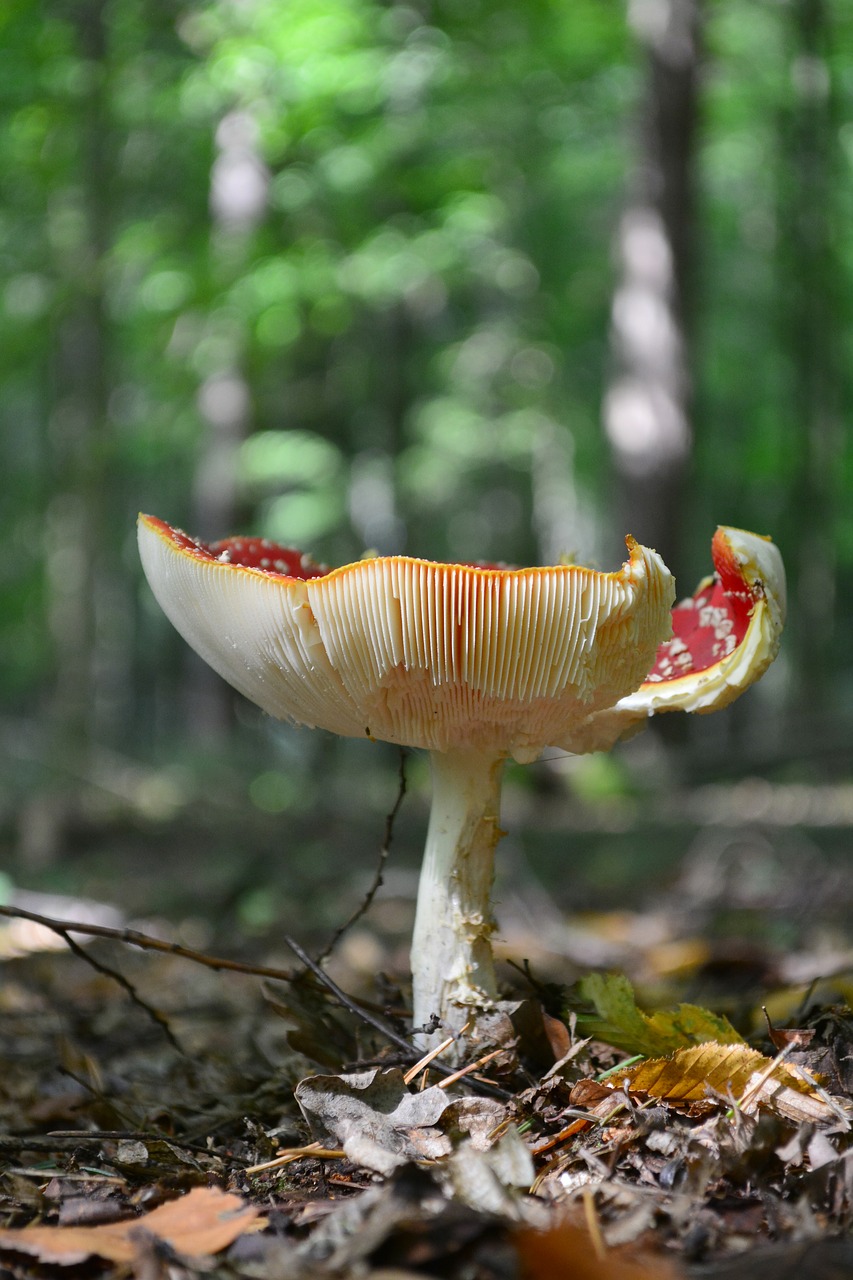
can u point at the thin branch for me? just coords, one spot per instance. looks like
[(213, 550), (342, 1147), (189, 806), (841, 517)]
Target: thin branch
[(133, 938), (377, 1023), (109, 1104), (341, 996), (90, 1136), (126, 985), (14, 1142), (145, 942), (472, 1066), (364, 906)]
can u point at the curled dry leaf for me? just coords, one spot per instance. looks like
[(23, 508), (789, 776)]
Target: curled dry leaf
[(782, 1037), (380, 1124), (589, 1093), (202, 1222), (487, 1180)]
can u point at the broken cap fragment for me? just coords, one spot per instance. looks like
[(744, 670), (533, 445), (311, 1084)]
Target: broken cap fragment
[(440, 656), (725, 635)]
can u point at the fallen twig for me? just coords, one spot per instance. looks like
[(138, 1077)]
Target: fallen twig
[(472, 1066), (132, 937), (288, 1155), (430, 1057), (133, 1135), (379, 1025)]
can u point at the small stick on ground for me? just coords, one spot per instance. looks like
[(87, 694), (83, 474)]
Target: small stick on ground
[(289, 1155), (425, 1061), (84, 1136), (347, 1001), (466, 1071)]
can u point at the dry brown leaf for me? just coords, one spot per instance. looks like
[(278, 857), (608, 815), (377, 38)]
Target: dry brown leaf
[(688, 1074), (202, 1222), (797, 1104), (799, 1037), (588, 1093), (568, 1251), (559, 1037)]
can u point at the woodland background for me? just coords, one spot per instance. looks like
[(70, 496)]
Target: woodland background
[(459, 278)]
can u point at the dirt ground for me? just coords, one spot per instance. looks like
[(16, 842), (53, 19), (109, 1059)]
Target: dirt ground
[(187, 1100)]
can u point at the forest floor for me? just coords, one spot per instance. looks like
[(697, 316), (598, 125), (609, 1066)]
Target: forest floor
[(165, 1117)]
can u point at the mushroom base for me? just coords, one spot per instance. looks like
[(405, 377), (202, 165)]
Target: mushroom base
[(452, 967)]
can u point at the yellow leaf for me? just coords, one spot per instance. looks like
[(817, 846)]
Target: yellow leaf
[(733, 1072), (689, 1074)]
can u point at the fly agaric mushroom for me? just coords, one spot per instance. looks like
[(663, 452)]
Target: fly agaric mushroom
[(474, 664)]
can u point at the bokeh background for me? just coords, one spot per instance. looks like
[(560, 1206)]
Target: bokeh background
[(459, 278)]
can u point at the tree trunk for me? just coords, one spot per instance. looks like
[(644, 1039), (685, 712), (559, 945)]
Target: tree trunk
[(78, 437), (809, 271), (238, 201), (647, 405)]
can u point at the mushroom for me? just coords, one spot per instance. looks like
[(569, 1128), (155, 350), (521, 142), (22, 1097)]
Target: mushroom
[(473, 663)]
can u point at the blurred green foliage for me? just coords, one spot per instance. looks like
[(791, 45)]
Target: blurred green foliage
[(364, 250)]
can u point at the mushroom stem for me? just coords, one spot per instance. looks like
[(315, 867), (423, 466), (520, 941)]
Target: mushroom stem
[(452, 966)]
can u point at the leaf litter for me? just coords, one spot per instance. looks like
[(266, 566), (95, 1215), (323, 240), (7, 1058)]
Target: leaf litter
[(278, 1133)]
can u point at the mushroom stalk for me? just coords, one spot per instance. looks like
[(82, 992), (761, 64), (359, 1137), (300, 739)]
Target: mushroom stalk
[(451, 959)]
